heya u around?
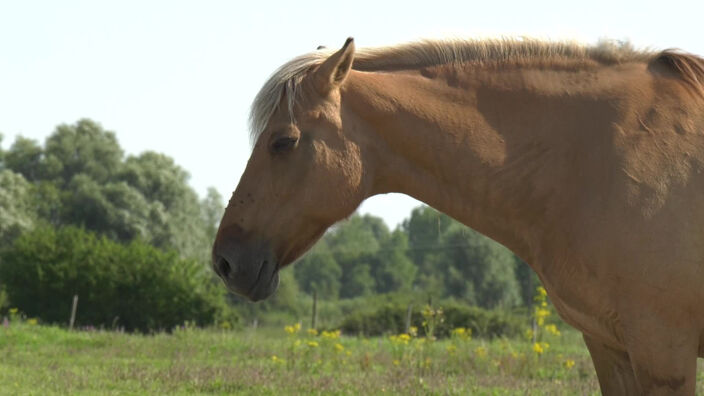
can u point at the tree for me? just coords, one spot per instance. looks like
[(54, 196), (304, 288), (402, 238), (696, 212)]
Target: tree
[(425, 228), (211, 211), (392, 269), (82, 148), (353, 244), (16, 209), (2, 154), (318, 271), (478, 269), (25, 157), (113, 209), (527, 281), (177, 213), (80, 177)]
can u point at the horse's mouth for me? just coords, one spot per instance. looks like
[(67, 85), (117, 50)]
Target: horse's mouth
[(266, 283)]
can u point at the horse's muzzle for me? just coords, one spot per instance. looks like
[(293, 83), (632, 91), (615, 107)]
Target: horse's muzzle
[(247, 269)]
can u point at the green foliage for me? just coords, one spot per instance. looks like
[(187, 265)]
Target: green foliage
[(320, 272), (477, 269), (82, 148), (80, 177), (4, 300), (2, 153), (134, 285), (25, 157), (16, 212), (175, 217), (391, 268), (390, 318), (211, 211)]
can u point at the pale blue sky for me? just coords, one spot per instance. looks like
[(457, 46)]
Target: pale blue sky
[(178, 76)]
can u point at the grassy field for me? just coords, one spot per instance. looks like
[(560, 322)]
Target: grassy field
[(43, 360)]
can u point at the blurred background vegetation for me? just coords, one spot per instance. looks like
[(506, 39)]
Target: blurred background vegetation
[(132, 239)]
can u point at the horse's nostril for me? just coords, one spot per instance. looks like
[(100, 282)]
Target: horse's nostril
[(223, 267)]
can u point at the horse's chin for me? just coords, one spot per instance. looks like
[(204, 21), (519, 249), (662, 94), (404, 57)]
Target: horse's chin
[(264, 287)]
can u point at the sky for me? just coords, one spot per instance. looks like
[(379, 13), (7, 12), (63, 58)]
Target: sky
[(178, 77)]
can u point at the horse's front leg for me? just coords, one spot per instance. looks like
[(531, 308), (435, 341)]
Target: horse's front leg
[(613, 368), (664, 358)]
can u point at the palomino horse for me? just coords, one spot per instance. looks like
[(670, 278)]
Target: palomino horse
[(585, 161)]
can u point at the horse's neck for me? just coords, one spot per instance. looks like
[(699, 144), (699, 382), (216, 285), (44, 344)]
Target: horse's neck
[(473, 150)]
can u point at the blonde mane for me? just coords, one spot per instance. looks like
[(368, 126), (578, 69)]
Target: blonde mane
[(285, 80)]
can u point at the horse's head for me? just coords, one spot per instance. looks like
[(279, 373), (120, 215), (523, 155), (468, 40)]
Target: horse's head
[(304, 174)]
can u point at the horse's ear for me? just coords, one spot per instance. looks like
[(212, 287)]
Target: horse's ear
[(333, 71)]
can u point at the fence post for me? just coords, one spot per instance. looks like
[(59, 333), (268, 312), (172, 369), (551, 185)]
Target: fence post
[(314, 320), (73, 312)]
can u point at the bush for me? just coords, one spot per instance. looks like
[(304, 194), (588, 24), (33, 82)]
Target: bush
[(135, 286), (390, 318)]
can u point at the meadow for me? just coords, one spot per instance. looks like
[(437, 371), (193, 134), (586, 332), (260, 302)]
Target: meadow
[(40, 359), (44, 360)]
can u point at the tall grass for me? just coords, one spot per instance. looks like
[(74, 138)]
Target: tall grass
[(47, 360)]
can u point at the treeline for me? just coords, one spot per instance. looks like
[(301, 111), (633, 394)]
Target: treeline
[(428, 254), (132, 238), (127, 234), (80, 176)]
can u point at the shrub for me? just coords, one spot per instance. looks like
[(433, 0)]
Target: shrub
[(390, 318), (135, 286)]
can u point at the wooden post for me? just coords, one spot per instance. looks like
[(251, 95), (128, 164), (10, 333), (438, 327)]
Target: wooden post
[(73, 312), (408, 318), (314, 320)]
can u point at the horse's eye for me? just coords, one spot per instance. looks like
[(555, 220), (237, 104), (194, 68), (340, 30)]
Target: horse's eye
[(283, 144)]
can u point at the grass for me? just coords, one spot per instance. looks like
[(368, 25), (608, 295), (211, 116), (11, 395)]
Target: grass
[(46, 360)]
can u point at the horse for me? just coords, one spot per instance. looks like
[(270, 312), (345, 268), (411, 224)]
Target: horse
[(585, 160)]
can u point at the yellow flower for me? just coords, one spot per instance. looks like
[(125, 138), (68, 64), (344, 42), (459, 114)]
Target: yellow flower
[(481, 352), (13, 311), (413, 331), (540, 347), (400, 339), (293, 329), (537, 348), (552, 329), (331, 335), (540, 315), (32, 322), (569, 363), (451, 349), (462, 333), (396, 362), (312, 344), (541, 291), (339, 347), (312, 332)]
